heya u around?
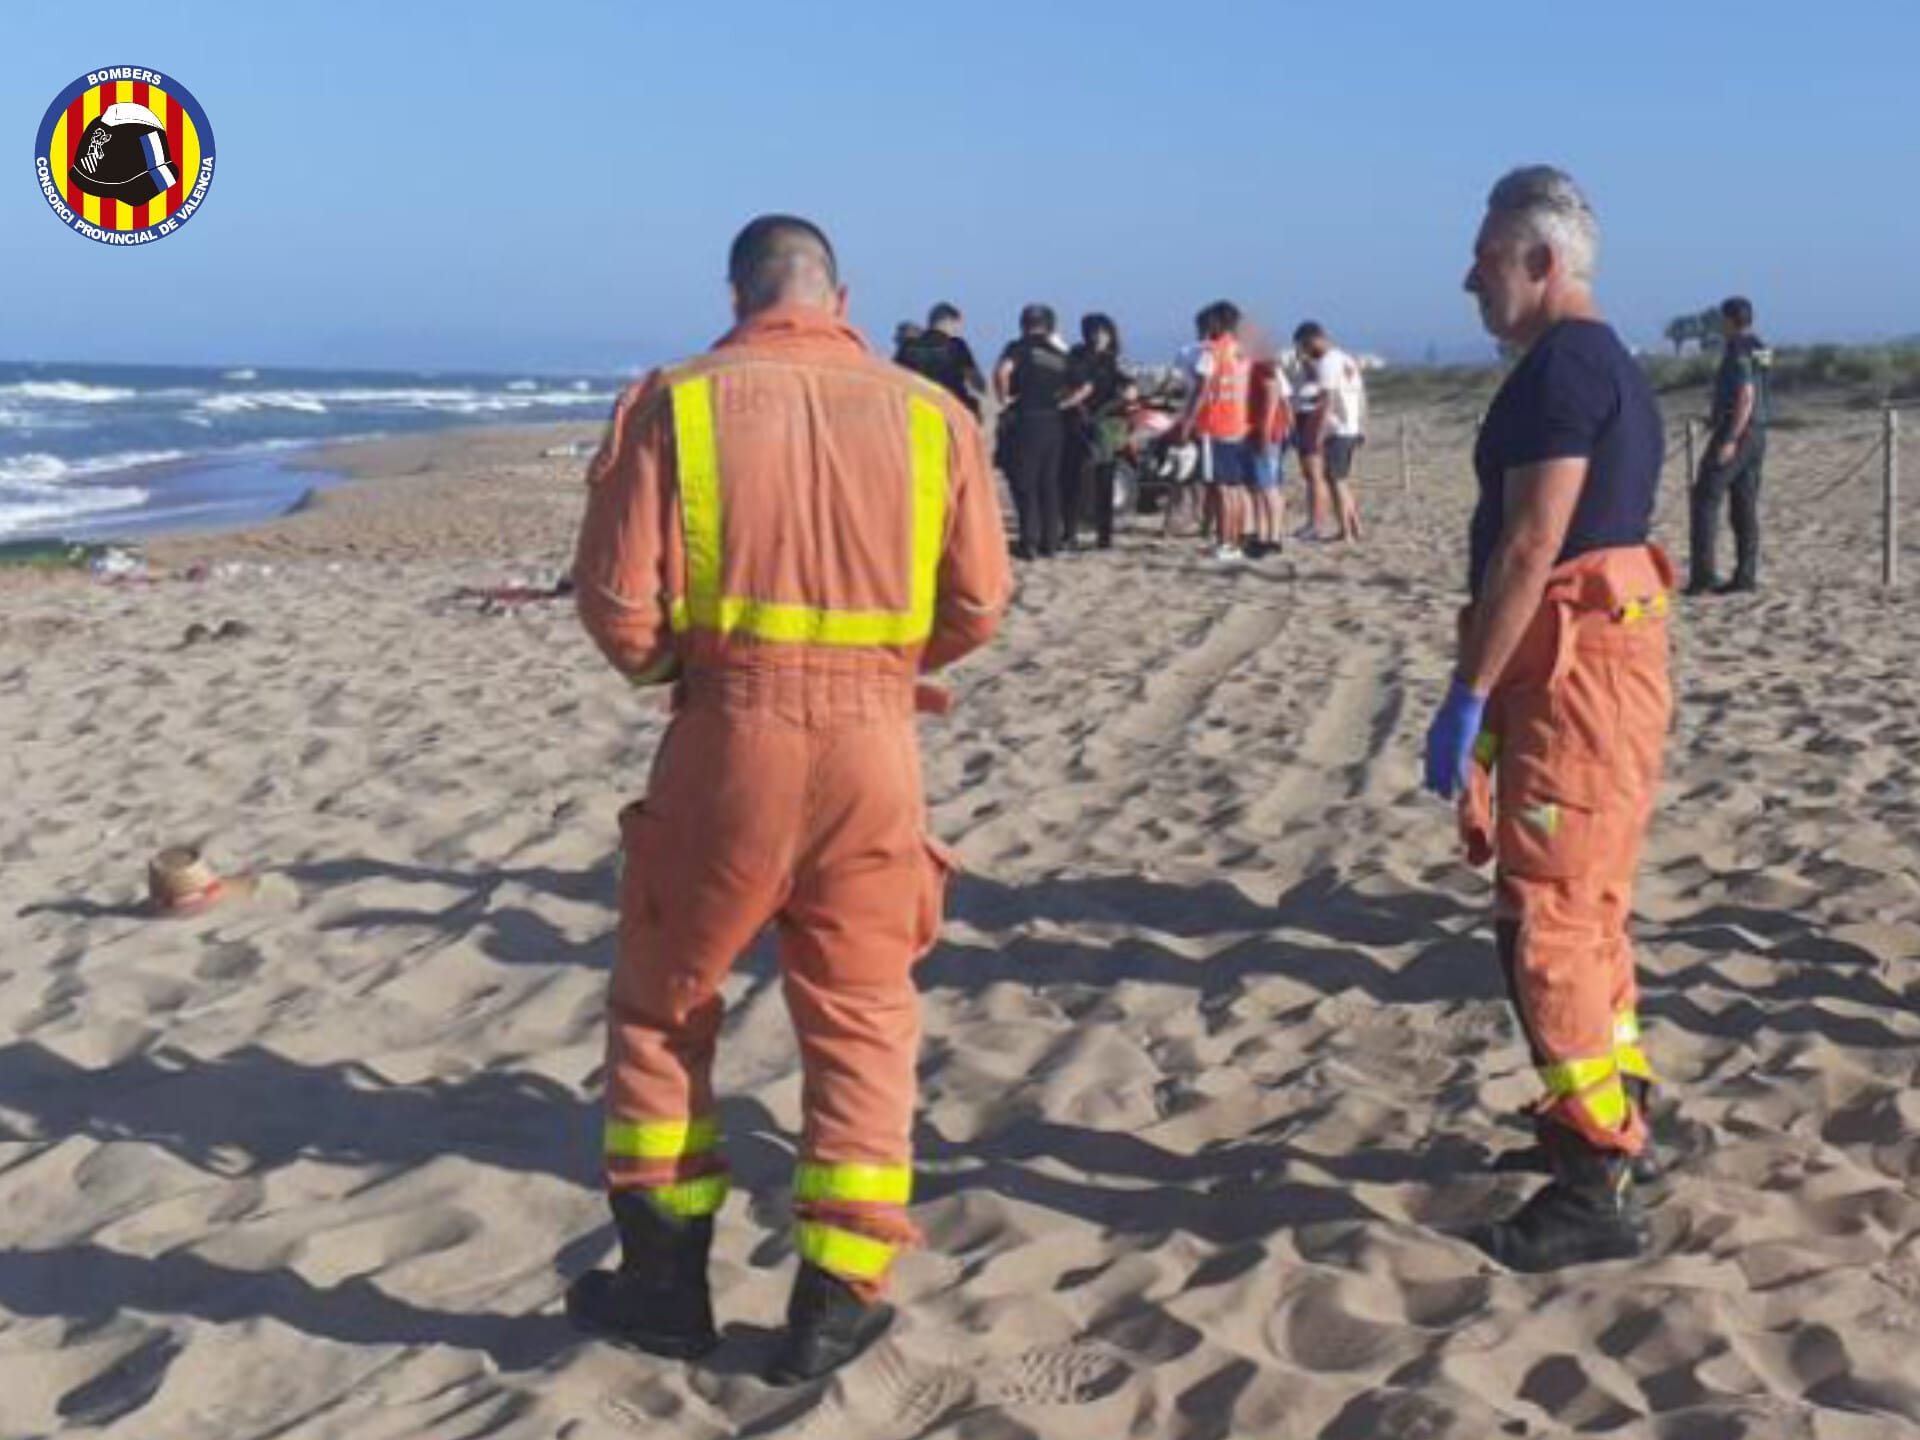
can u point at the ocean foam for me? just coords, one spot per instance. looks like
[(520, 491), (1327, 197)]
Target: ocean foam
[(72, 392), (244, 402), (35, 489), (446, 402)]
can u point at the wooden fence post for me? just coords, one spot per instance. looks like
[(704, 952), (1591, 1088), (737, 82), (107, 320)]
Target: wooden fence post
[(1890, 500)]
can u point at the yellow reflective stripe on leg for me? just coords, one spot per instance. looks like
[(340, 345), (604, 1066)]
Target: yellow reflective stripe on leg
[(1594, 1084), (929, 440), (841, 1252), (700, 504), (859, 1184), (690, 1199), (1633, 1063), (1570, 1077), (1630, 1059), (660, 1139), (1607, 1103)]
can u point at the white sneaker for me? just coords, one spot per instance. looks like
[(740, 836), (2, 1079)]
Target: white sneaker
[(1228, 553)]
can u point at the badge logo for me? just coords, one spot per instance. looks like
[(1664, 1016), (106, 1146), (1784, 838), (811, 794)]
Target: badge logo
[(124, 156)]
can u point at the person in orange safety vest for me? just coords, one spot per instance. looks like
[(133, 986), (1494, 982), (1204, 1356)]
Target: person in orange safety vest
[(1553, 731), (1217, 417), (790, 532)]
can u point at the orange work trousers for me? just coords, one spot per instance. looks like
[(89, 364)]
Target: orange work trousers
[(791, 796), (1568, 768)]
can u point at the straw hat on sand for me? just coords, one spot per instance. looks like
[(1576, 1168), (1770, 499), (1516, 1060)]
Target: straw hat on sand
[(181, 882)]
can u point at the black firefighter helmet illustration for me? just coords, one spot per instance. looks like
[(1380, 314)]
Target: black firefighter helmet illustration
[(123, 155)]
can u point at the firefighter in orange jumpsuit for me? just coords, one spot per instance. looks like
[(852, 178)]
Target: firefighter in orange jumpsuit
[(789, 531), (1553, 730)]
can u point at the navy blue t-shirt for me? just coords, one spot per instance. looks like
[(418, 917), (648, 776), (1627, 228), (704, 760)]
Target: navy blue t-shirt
[(1577, 394)]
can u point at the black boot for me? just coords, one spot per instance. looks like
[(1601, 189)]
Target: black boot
[(827, 1325), (657, 1301), (1646, 1165), (1588, 1212)]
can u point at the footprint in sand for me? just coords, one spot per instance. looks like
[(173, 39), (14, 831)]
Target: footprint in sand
[(917, 1398)]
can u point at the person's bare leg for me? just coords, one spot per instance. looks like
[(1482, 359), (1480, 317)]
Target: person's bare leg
[(1350, 531), (1314, 468)]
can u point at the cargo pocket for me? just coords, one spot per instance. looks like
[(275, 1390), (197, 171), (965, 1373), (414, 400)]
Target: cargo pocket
[(1539, 836), (939, 867)]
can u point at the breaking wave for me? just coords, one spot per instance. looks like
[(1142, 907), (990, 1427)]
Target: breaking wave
[(38, 489)]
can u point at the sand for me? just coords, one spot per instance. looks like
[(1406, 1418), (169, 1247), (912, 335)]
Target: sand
[(1216, 1052)]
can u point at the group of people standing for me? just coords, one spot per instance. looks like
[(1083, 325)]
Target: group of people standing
[(1062, 418), (1247, 405), (1064, 422)]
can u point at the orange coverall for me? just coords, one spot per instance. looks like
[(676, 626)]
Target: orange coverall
[(791, 530), (1560, 798)]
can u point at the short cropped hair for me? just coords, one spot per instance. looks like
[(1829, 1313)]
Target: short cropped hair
[(941, 313), (1222, 318), (1739, 310), (1552, 211), (1036, 320), (776, 255), (1307, 331)]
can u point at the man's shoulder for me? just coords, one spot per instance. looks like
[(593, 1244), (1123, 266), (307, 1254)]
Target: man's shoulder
[(862, 368), (1592, 342), (1574, 356)]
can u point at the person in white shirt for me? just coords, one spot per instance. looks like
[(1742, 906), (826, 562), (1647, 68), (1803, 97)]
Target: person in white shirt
[(1339, 422)]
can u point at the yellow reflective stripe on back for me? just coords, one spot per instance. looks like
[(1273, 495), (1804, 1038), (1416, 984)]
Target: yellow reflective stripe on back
[(928, 433), (706, 606), (660, 1139), (841, 1252), (861, 1184), (690, 1199), (800, 624), (700, 504)]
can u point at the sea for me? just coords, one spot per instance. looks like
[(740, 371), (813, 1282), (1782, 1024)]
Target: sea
[(117, 452)]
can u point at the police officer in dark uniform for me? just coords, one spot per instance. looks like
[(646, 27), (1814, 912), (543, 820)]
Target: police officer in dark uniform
[(941, 354), (1736, 448), (1035, 385)]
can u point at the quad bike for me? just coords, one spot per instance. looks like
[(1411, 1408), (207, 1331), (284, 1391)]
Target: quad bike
[(1153, 461)]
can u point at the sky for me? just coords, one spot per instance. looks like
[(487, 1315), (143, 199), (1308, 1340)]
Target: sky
[(481, 185)]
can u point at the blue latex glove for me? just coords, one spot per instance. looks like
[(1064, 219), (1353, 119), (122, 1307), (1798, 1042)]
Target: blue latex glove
[(1450, 739)]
